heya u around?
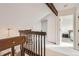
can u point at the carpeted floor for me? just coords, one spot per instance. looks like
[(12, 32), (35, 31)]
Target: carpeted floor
[(48, 53), (53, 53)]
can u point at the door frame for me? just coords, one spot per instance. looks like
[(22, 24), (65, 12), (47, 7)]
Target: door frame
[(74, 21)]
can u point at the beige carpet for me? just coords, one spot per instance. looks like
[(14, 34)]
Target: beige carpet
[(48, 53), (53, 53)]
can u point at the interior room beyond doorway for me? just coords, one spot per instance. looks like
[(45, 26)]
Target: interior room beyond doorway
[(66, 30)]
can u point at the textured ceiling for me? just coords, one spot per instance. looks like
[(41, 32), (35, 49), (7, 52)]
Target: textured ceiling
[(64, 6)]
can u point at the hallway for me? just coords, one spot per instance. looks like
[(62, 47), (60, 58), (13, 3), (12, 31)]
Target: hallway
[(64, 48)]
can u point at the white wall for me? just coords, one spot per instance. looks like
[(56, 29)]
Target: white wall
[(44, 25), (21, 16), (26, 16), (52, 30)]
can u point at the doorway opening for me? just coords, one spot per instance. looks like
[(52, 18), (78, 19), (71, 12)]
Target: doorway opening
[(67, 30)]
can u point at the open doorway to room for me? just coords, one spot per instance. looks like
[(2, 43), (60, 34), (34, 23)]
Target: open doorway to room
[(67, 30)]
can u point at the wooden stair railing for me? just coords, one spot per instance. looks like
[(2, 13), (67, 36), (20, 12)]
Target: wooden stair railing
[(11, 43), (35, 42)]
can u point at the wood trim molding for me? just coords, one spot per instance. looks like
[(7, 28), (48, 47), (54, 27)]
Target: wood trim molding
[(52, 7)]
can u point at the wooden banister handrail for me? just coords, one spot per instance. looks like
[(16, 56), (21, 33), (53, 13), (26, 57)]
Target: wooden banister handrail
[(33, 32), (35, 42), (11, 42)]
